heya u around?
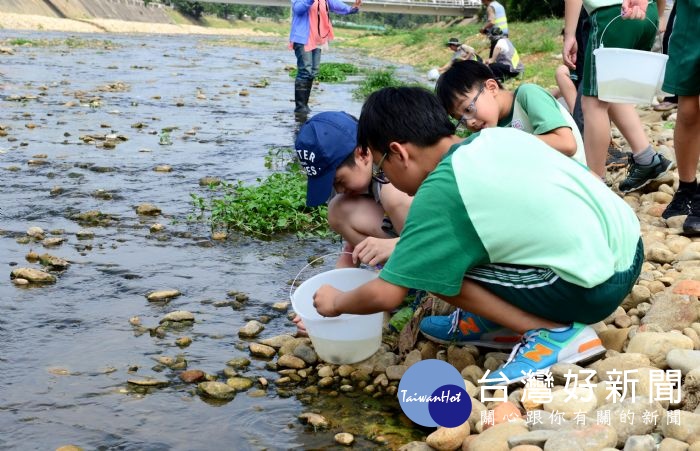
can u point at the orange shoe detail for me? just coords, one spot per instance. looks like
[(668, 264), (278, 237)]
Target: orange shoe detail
[(468, 325), (538, 352), (590, 345)]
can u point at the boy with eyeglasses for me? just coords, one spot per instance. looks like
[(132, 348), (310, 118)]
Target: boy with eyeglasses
[(501, 227), (470, 93)]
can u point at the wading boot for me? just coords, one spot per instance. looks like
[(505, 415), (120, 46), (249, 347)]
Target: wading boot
[(302, 91)]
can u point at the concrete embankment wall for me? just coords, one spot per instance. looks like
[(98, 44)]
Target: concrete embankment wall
[(126, 10)]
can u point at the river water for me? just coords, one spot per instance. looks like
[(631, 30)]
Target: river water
[(66, 349)]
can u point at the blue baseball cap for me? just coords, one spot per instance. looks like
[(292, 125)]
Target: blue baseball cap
[(324, 142)]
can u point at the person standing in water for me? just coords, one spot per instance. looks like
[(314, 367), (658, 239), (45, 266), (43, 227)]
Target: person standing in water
[(311, 31)]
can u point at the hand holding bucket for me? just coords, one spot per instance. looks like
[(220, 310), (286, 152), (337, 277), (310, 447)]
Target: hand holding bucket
[(628, 75), (342, 339)]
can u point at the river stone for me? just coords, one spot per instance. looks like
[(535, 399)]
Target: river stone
[(251, 329), (638, 295), (36, 232), (640, 443), (281, 306), (537, 438), (178, 316), (48, 242), (183, 342), (314, 419), (415, 446), (325, 371), (216, 390), (69, 448), (277, 341), (459, 357), (659, 254), (306, 353), (20, 282), (162, 295), (672, 312), (687, 431), (260, 350), (656, 345), (671, 444), (147, 210), (148, 382), (163, 168), (208, 180), (582, 401), (290, 345), (238, 362), (590, 438), (395, 372), (344, 438), (239, 383), (53, 261), (614, 339), (683, 359), (190, 376), (496, 437), (290, 361), (687, 287), (32, 275), (448, 438), (622, 411)]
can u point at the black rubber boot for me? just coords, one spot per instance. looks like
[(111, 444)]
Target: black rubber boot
[(302, 91)]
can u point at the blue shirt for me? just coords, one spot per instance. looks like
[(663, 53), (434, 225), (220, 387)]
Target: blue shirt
[(299, 32)]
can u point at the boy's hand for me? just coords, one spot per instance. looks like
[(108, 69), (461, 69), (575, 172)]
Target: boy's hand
[(569, 52), (634, 9), (324, 300), (373, 251)]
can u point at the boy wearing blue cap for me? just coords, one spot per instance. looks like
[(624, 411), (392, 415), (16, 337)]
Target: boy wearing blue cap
[(363, 207)]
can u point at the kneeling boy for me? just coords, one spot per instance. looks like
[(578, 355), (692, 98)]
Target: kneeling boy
[(543, 253)]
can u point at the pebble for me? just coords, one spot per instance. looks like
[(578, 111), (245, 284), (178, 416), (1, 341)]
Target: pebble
[(178, 316), (239, 383), (260, 350), (395, 372), (290, 361), (448, 438), (314, 419), (683, 359), (496, 437), (251, 329), (344, 438), (216, 390), (162, 295), (656, 345), (593, 437)]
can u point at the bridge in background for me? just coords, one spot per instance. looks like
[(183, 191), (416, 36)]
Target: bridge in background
[(458, 8)]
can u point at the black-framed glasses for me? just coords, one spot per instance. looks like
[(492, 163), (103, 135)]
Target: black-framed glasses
[(377, 172), (470, 111)]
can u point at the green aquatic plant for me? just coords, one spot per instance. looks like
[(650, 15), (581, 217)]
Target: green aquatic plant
[(376, 80), (276, 205), (332, 72)]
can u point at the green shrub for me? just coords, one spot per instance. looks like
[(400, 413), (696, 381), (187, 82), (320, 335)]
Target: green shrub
[(376, 80), (332, 72)]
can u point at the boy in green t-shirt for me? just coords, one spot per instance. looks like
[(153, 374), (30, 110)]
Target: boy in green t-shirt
[(470, 93), (542, 253)]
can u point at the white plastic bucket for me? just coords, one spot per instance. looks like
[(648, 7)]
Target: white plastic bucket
[(345, 338), (627, 75), (433, 74)]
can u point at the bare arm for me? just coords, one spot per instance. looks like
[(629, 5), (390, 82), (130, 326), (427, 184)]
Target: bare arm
[(491, 18), (372, 297), (572, 10), (562, 139)]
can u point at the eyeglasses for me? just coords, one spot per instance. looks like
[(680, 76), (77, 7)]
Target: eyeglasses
[(377, 173), (470, 111)]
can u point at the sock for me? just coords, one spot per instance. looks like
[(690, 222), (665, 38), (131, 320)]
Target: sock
[(644, 157), (688, 186)]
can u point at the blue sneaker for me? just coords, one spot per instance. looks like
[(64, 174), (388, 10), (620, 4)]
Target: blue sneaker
[(466, 328), (539, 349)]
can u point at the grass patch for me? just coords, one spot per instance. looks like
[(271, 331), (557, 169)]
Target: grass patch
[(332, 72), (275, 206), (377, 79)]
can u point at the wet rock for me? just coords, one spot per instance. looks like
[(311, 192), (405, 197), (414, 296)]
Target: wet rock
[(50, 242), (183, 342), (207, 181), (32, 275), (32, 257), (306, 353), (656, 345), (671, 444), (251, 329), (148, 382), (640, 443), (281, 306), (622, 412), (395, 372), (290, 361), (156, 228), (191, 376), (448, 438), (163, 168), (325, 371), (277, 341), (147, 210), (239, 383), (591, 438), (69, 448), (260, 350), (178, 316), (535, 438), (20, 282), (326, 382), (290, 345), (53, 262), (36, 232), (216, 390), (162, 295), (344, 438), (84, 235), (314, 419), (415, 446), (238, 362), (219, 236)]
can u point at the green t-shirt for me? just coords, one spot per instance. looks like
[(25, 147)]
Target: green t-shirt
[(536, 111), (503, 196)]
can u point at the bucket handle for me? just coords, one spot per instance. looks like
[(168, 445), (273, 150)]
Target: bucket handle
[(614, 19), (294, 282)]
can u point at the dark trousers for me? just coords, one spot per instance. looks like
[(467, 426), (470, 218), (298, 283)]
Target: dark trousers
[(502, 71), (664, 44)]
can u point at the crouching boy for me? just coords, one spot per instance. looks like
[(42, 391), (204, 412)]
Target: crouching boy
[(543, 253)]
